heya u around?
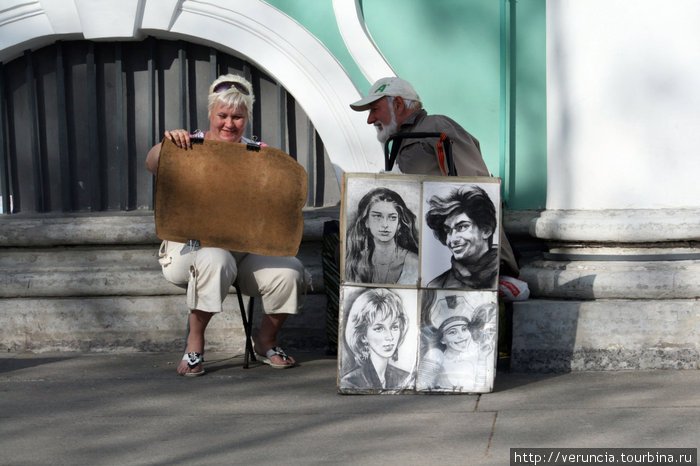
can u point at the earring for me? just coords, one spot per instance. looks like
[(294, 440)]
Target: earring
[(364, 353)]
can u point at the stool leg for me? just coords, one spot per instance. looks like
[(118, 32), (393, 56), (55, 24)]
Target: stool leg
[(250, 354), (187, 334), (247, 326)]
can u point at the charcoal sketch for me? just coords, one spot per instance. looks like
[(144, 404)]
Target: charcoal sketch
[(381, 240), (380, 339), (458, 341), (464, 219)]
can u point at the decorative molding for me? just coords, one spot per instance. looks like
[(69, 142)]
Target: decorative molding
[(618, 225), (20, 11), (22, 24), (358, 40), (110, 19)]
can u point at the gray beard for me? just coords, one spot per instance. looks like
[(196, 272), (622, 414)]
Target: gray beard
[(387, 130)]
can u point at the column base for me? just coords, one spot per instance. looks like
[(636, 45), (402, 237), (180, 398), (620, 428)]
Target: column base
[(564, 336)]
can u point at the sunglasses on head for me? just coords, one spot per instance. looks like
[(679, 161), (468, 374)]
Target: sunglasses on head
[(226, 85)]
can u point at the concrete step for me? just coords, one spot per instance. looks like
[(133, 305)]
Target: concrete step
[(93, 283), (613, 279), (103, 271), (610, 334), (140, 323)]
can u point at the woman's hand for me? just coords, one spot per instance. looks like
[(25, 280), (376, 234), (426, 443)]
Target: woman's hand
[(180, 137)]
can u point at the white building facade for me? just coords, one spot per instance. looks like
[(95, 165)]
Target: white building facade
[(618, 285)]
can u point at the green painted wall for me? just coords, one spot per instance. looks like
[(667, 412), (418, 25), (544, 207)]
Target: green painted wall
[(449, 50), (526, 175), (318, 17), (452, 51)]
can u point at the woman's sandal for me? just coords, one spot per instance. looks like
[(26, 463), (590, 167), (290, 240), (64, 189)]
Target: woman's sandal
[(279, 352), (193, 359)]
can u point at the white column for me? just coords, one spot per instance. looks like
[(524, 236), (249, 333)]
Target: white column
[(618, 286), (622, 104)]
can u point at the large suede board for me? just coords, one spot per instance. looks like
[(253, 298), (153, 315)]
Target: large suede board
[(228, 196)]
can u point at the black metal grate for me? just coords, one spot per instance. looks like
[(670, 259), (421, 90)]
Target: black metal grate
[(78, 117)]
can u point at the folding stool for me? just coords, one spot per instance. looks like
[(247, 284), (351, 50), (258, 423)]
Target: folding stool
[(247, 319)]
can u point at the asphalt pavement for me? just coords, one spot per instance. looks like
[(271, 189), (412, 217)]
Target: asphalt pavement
[(132, 409)]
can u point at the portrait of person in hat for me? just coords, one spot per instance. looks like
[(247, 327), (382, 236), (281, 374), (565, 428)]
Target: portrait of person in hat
[(376, 325), (459, 340)]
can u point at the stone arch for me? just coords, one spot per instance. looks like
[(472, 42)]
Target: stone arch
[(253, 29)]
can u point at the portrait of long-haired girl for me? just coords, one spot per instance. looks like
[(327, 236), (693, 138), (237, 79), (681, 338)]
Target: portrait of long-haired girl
[(382, 242)]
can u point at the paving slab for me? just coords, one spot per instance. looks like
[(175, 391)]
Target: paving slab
[(131, 408), (596, 389)]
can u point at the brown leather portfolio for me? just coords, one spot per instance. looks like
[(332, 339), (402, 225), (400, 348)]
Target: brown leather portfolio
[(232, 196)]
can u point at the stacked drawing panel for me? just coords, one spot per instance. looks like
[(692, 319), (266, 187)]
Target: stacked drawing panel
[(419, 276)]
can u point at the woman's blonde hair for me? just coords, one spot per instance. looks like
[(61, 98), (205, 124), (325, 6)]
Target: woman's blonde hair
[(231, 90), (373, 305)]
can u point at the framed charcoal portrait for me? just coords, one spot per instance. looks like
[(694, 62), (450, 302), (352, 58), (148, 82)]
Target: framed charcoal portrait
[(380, 230), (458, 341), (379, 335), (418, 302), (461, 232)]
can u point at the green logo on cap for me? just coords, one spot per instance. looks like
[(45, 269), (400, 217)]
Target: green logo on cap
[(380, 89)]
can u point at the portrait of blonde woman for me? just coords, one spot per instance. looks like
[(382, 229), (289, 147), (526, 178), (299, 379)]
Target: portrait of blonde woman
[(376, 326)]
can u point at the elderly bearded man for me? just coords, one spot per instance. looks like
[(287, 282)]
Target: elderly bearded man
[(395, 107)]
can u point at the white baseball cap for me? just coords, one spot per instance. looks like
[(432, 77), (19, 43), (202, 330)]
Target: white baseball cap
[(450, 311), (386, 87)]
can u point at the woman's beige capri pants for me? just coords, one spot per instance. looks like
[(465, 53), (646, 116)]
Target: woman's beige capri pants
[(208, 274)]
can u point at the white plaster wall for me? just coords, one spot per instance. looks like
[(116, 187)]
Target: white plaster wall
[(623, 103)]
